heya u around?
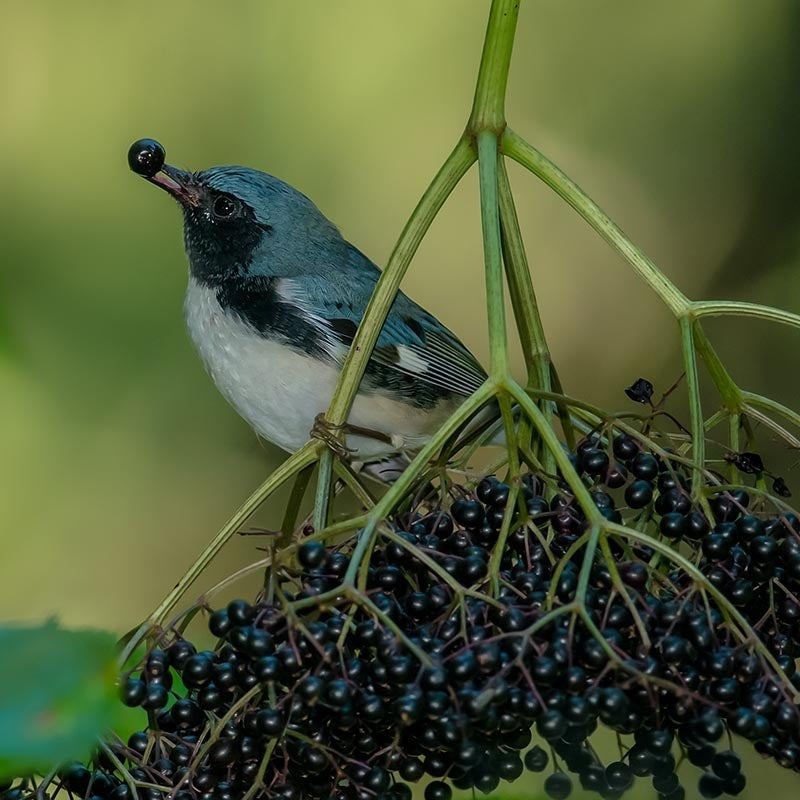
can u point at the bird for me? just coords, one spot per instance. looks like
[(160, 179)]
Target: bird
[(275, 294)]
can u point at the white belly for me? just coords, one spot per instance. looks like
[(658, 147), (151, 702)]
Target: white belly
[(280, 391)]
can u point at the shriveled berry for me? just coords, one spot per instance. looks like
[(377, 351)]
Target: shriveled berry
[(640, 391)]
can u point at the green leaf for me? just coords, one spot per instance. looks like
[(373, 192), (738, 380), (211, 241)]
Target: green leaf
[(57, 695)]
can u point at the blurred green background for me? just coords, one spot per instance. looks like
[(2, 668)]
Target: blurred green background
[(119, 458)]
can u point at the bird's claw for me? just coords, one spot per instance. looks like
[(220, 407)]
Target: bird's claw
[(330, 434)]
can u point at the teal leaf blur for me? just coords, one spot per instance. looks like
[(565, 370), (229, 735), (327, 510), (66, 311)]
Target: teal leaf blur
[(57, 695)]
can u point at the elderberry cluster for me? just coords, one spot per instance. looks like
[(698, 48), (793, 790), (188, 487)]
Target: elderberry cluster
[(488, 632)]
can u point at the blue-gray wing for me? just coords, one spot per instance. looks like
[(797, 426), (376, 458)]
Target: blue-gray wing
[(415, 354)]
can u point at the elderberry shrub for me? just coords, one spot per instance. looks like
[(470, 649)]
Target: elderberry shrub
[(419, 679)]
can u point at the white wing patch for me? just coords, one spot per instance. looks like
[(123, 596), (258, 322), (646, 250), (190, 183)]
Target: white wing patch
[(410, 361), (438, 363)]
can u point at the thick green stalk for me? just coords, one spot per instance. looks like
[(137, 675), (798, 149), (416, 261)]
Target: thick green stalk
[(492, 254), (520, 288), (538, 364), (488, 106)]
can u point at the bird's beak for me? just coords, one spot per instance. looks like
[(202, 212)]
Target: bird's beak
[(179, 183)]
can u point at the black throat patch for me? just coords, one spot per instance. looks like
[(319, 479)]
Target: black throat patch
[(220, 250)]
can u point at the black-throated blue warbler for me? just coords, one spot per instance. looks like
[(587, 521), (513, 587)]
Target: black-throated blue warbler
[(274, 298)]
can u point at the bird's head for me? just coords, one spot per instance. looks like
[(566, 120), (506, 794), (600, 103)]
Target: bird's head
[(240, 221)]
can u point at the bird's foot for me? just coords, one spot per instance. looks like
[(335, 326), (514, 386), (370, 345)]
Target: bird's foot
[(331, 435)]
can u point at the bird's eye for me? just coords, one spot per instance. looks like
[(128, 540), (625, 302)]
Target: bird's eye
[(225, 207)]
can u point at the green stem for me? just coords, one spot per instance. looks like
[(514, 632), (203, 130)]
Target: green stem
[(350, 480), (258, 782), (759, 416), (488, 106), (560, 566), (728, 390), (551, 441), (530, 158), (695, 409), (322, 498), (622, 591), (112, 757), (766, 497), (417, 651), (424, 559), (539, 367), (720, 308), (231, 578), (512, 448), (295, 501), (588, 562), (336, 529), (734, 441), (490, 219), (520, 287), (759, 401), (453, 169)]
